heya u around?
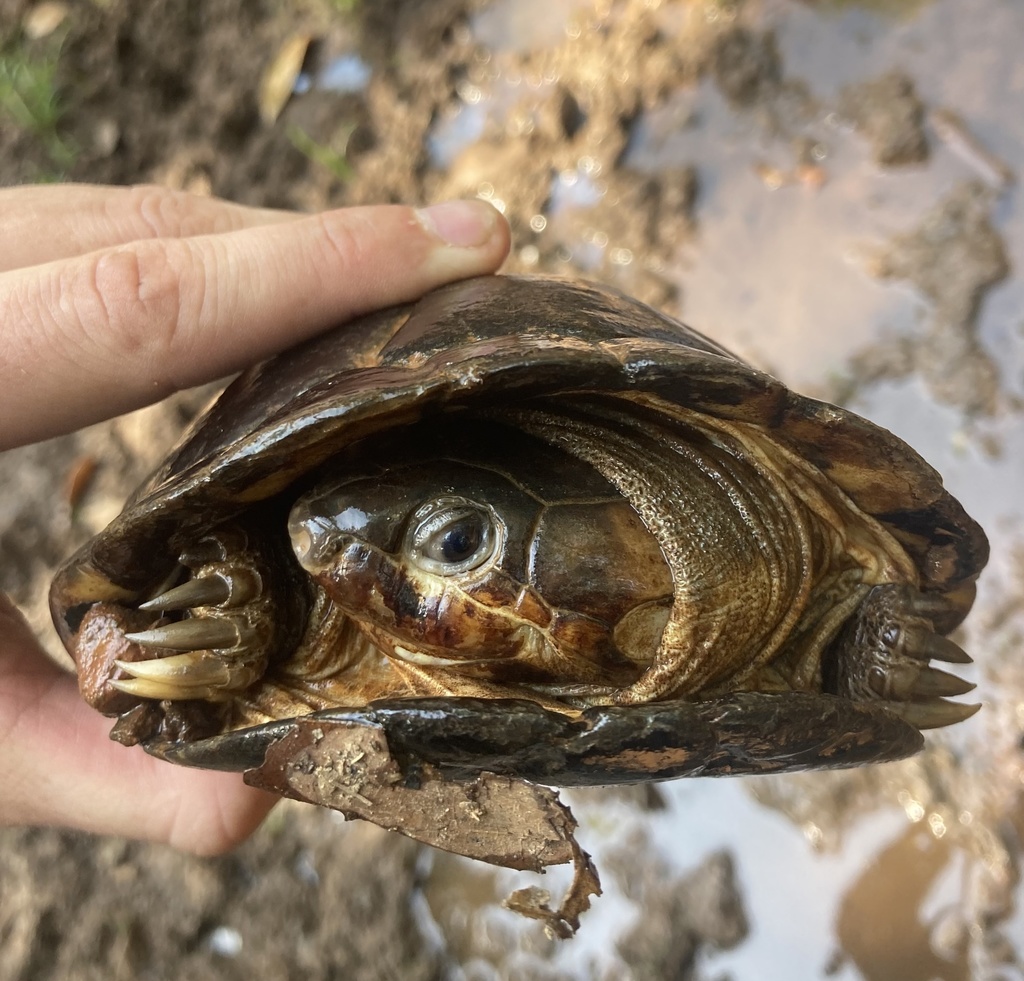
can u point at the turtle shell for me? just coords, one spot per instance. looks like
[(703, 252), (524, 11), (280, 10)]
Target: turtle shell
[(498, 341)]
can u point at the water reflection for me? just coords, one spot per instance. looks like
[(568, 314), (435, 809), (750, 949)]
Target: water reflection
[(901, 880), (523, 26), (343, 73)]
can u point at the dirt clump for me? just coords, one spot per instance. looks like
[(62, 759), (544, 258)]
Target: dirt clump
[(953, 258), (891, 116)]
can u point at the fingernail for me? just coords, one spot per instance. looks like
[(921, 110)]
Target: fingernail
[(464, 224)]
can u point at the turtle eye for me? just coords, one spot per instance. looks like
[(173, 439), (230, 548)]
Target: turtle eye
[(450, 536), (457, 541)]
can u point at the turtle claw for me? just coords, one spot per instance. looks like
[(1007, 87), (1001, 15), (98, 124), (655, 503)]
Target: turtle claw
[(926, 645), (181, 669), (883, 652), (144, 688), (194, 634), (165, 691), (219, 656), (913, 683), (180, 676), (933, 683), (224, 620), (934, 714), (212, 590), (929, 606)]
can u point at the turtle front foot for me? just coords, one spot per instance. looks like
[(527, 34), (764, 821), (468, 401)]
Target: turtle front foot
[(215, 632), (882, 654)]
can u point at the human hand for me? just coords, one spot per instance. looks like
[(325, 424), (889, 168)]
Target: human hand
[(112, 298)]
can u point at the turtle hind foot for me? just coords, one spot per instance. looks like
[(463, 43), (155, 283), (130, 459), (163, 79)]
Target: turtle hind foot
[(882, 654)]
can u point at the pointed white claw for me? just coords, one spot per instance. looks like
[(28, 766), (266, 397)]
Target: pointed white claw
[(184, 670), (159, 690)]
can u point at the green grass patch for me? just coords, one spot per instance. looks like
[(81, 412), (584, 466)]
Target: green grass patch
[(333, 156), (29, 98)]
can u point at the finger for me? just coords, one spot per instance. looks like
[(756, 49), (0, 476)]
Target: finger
[(57, 221), (89, 337), (58, 766)]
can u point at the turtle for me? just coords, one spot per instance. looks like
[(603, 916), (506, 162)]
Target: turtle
[(531, 528)]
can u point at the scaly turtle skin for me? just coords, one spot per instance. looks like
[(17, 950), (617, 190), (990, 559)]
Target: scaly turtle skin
[(535, 528)]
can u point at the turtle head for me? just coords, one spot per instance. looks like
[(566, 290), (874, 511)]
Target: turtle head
[(427, 559)]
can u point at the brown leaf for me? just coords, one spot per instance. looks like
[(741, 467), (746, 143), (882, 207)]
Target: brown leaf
[(348, 766)]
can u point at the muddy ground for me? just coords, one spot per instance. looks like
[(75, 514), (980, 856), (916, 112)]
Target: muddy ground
[(575, 146)]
